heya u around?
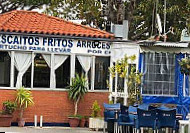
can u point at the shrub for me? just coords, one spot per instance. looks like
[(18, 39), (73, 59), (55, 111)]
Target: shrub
[(9, 107), (95, 109)]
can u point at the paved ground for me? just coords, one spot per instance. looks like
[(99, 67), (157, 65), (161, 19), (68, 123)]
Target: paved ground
[(46, 130)]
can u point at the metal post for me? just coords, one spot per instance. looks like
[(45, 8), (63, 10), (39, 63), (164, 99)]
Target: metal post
[(35, 120), (41, 121), (164, 20)]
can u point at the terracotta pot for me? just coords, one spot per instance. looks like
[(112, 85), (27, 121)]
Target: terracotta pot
[(82, 122), (5, 120), (21, 122), (74, 121)]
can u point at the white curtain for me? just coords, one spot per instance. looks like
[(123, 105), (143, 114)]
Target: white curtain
[(85, 62), (22, 62), (57, 61)]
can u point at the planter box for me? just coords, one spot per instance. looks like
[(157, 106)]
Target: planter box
[(5, 120), (96, 123)]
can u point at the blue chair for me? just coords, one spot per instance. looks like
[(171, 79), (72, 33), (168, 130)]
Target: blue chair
[(146, 118), (127, 120), (109, 116), (112, 106), (124, 110), (152, 107), (144, 106), (110, 113), (163, 107), (132, 109), (166, 118)]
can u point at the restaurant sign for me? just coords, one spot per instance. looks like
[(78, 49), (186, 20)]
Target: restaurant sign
[(53, 45)]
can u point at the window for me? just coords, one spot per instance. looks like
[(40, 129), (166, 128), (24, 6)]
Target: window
[(159, 74), (79, 70), (63, 74), (78, 67), (5, 63), (26, 79), (120, 81), (41, 72), (101, 73)]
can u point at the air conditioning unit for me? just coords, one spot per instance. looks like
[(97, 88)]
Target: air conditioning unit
[(120, 31)]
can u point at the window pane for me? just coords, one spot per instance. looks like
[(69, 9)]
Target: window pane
[(78, 67), (5, 64), (159, 74), (101, 73), (63, 74), (79, 70), (41, 72), (26, 79)]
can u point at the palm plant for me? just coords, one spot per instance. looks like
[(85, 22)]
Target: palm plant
[(77, 90), (24, 99)]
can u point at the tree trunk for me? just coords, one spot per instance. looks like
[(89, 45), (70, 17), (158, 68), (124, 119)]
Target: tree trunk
[(21, 113), (76, 106)]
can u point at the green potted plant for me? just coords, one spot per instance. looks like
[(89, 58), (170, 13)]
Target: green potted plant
[(185, 66), (95, 121), (95, 109), (23, 99), (77, 90), (6, 114)]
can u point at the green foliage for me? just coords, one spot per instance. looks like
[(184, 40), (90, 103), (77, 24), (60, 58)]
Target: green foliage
[(110, 102), (121, 66), (144, 16), (88, 10), (132, 77), (9, 5), (9, 107), (134, 84), (77, 89), (95, 109), (24, 98), (185, 66), (76, 116), (141, 14)]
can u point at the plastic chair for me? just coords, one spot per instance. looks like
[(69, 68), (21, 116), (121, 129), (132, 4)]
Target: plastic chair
[(166, 118), (112, 106), (110, 114), (132, 109), (152, 107), (144, 106), (163, 107), (127, 120), (124, 110), (146, 118)]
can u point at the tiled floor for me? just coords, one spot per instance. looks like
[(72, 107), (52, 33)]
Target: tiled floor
[(46, 130)]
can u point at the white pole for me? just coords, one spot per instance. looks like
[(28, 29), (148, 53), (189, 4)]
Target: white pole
[(12, 69), (125, 92), (164, 20), (35, 120), (116, 79), (41, 121)]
